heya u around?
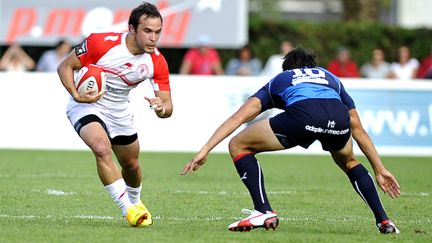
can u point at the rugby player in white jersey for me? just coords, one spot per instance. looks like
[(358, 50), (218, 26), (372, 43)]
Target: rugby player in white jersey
[(104, 121)]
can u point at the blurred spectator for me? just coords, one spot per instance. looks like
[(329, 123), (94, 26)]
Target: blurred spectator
[(52, 58), (202, 60), (425, 70), (377, 67), (273, 65), (16, 59), (342, 66), (245, 63), (406, 67)]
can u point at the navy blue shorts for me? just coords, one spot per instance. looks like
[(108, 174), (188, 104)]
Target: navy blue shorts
[(325, 120)]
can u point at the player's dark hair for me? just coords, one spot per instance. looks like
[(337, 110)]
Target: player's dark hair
[(299, 58), (147, 9)]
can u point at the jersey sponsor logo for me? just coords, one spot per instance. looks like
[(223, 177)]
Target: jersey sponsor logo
[(117, 90), (81, 48)]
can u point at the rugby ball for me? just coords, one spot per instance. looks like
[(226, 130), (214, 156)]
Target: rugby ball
[(91, 77)]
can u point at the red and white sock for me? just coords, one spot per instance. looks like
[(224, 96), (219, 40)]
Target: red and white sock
[(119, 194)]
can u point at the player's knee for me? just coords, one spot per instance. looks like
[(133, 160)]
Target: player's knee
[(344, 160), (131, 166), (232, 145), (351, 164), (102, 151), (235, 146)]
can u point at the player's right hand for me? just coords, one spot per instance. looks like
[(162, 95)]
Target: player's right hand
[(88, 96), (388, 183), (195, 163)]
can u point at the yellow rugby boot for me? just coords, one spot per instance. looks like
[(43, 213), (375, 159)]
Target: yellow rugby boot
[(148, 220), (136, 215)]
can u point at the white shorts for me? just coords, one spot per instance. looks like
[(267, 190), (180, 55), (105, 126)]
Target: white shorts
[(117, 123)]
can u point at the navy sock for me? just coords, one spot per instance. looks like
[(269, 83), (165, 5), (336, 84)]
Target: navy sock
[(250, 172), (364, 185)]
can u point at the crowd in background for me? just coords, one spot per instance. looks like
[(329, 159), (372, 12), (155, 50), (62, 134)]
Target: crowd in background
[(244, 63), (15, 59), (203, 59)]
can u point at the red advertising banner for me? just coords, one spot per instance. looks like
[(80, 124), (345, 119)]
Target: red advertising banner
[(42, 22)]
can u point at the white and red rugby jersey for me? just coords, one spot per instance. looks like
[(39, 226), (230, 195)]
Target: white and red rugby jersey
[(124, 70)]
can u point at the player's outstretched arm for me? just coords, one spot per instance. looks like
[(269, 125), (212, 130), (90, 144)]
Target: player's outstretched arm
[(384, 178), (245, 113)]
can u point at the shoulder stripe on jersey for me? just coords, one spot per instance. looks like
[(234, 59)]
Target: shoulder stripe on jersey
[(98, 44), (269, 91)]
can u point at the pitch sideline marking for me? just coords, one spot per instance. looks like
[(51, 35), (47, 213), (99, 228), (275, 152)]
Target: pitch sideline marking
[(212, 218), (424, 194)]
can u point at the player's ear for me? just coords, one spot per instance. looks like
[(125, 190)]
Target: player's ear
[(132, 29)]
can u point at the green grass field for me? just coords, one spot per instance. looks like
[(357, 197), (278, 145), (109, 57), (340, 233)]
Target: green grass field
[(56, 196)]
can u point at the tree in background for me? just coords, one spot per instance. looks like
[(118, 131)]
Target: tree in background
[(352, 10), (366, 10)]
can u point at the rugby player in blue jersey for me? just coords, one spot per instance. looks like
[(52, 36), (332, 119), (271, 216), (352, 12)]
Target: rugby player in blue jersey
[(316, 107)]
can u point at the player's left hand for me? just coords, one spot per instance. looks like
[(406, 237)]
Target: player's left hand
[(88, 96), (388, 183), (195, 163), (156, 103)]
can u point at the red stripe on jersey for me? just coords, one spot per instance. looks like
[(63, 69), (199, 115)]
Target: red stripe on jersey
[(98, 44), (123, 78), (161, 72)]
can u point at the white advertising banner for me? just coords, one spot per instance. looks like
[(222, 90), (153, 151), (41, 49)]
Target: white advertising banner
[(396, 114)]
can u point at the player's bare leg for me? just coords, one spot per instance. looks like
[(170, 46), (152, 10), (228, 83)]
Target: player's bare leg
[(364, 185), (96, 138), (128, 157), (345, 158), (258, 137)]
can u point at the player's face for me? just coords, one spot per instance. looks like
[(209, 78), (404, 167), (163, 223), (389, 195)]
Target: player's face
[(147, 33)]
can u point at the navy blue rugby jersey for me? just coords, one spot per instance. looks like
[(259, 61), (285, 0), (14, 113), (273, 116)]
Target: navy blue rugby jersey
[(299, 84)]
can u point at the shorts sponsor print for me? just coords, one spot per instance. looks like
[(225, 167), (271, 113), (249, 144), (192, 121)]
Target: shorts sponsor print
[(325, 130)]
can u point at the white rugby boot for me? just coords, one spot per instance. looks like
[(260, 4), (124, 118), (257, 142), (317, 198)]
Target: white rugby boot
[(256, 219), (387, 227)]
